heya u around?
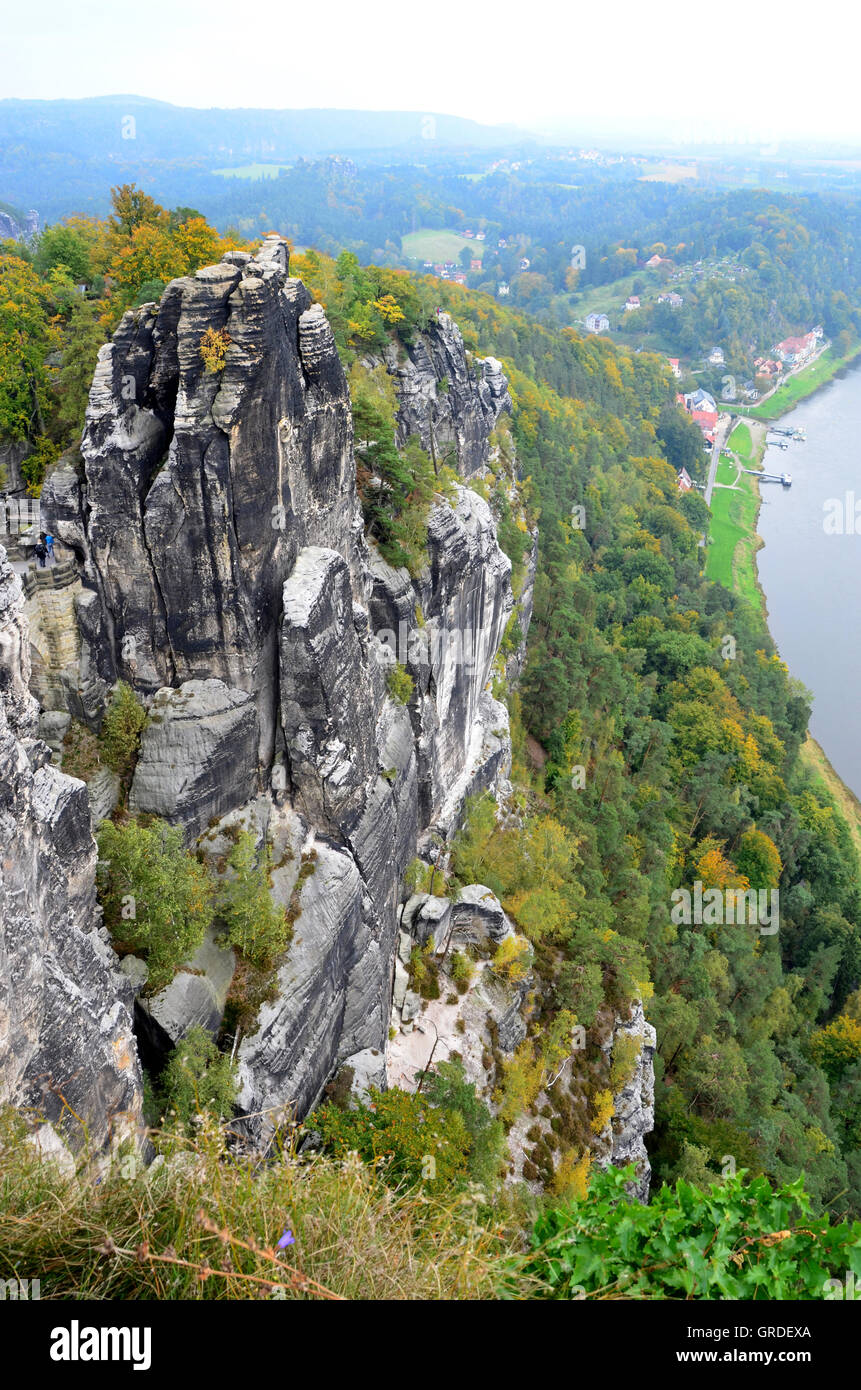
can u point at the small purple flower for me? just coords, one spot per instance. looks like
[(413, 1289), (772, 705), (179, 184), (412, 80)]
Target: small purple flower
[(286, 1239)]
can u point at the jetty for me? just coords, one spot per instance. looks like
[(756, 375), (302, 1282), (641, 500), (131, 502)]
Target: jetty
[(797, 432), (784, 478)]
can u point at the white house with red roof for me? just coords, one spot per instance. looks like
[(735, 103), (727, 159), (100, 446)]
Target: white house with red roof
[(792, 351)]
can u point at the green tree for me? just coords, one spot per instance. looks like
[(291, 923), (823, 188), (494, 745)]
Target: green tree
[(448, 1088), (253, 922), (414, 1141), (27, 335), (63, 246), (157, 899), (120, 735), (197, 1080)]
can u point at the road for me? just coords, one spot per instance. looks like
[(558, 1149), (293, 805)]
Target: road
[(724, 426)]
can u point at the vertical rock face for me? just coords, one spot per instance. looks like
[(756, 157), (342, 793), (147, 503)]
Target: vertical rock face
[(226, 578), (450, 402), (633, 1105), (66, 1043), (202, 486)]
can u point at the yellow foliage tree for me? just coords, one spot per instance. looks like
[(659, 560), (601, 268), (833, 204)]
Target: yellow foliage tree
[(604, 1110)]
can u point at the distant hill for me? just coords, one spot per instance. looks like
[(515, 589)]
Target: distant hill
[(63, 156)]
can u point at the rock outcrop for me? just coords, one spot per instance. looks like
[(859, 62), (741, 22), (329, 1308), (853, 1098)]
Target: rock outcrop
[(634, 1104), (198, 755), (67, 1052), (450, 401), (224, 575)]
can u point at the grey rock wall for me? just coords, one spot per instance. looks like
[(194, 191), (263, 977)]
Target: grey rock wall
[(450, 402), (67, 1052)]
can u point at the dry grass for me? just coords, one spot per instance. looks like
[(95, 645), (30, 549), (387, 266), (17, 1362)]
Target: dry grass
[(204, 1223)]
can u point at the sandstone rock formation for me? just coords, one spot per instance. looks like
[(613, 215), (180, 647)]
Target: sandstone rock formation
[(451, 402), (67, 1053), (634, 1104), (225, 576)]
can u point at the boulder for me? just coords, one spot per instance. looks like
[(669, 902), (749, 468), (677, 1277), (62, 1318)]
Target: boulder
[(198, 755), (196, 996), (478, 916)]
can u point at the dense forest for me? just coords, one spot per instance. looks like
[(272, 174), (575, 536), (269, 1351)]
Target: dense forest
[(656, 730)]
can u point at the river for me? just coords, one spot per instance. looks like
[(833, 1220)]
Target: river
[(812, 579)]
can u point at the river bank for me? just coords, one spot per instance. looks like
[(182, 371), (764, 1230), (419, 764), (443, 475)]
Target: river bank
[(803, 619), (802, 384), (813, 757), (733, 541)]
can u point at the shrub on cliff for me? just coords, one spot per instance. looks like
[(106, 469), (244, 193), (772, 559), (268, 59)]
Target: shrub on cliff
[(395, 487), (448, 1088), (121, 731), (197, 1080), (399, 683), (157, 899), (409, 1138), (253, 923)]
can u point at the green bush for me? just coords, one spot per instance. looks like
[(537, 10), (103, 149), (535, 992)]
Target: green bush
[(400, 683), (448, 1088), (626, 1055), (735, 1240), (424, 971), (253, 923), (405, 1133), (462, 971), (156, 898), (39, 463), (198, 1079), (419, 875), (120, 735)]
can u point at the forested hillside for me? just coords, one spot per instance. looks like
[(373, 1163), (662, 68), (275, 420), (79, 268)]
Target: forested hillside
[(672, 732)]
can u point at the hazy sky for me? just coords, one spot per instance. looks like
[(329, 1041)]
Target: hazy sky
[(761, 72)]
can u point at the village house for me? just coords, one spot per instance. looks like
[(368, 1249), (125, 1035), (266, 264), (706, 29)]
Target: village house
[(525, 263), (716, 357), (685, 482), (699, 400), (674, 366), (467, 231), (793, 351), (597, 323), (479, 236), (674, 300), (703, 410), (632, 302), (475, 265), (502, 289), (653, 262)]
